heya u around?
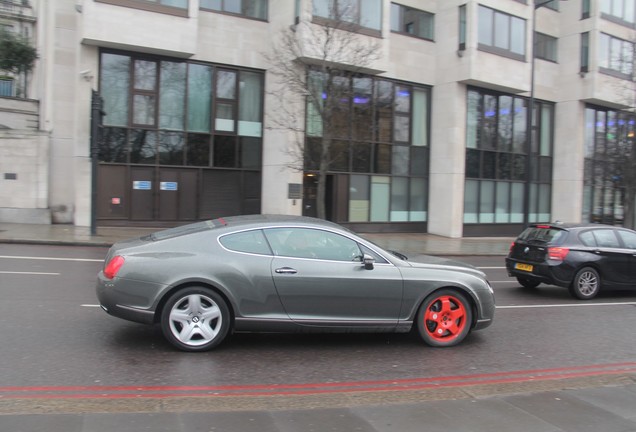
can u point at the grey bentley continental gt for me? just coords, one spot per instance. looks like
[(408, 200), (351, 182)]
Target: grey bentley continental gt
[(274, 273)]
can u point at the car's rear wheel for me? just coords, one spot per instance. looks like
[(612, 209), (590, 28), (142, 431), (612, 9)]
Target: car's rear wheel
[(586, 284), (195, 319), (444, 319), (527, 283)]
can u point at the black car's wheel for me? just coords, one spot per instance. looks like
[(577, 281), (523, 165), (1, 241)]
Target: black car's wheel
[(586, 284), (195, 319), (527, 283), (444, 319)]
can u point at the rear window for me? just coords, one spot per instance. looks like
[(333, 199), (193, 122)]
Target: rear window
[(247, 241), (543, 235)]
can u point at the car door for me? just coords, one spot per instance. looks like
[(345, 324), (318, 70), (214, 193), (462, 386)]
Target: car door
[(613, 259), (628, 239), (321, 280)]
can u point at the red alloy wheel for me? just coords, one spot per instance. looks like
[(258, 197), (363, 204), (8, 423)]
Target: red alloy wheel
[(446, 318)]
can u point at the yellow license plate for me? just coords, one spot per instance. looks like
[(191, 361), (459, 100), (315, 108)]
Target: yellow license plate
[(524, 267)]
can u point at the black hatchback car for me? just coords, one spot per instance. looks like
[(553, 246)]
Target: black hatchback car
[(582, 258)]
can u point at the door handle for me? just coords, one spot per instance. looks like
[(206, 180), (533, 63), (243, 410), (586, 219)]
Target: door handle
[(286, 270)]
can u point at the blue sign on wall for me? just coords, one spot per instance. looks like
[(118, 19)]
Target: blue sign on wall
[(169, 186), (142, 185)]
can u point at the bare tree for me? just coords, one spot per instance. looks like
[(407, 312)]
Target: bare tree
[(621, 154), (314, 66)]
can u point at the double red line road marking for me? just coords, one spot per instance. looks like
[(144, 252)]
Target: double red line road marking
[(408, 384)]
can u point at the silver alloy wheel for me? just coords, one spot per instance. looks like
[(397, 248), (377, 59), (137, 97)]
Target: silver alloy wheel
[(587, 283), (195, 320)]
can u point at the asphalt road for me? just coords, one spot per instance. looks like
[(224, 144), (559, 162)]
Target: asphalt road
[(58, 346)]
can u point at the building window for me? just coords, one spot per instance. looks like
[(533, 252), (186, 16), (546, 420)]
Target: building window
[(462, 27), (502, 34), (616, 56), (170, 112), (545, 47), (585, 9), (7, 87), (256, 9), (407, 20), (585, 52), (358, 14), (610, 143), (172, 7), (497, 159), (620, 11), (380, 145)]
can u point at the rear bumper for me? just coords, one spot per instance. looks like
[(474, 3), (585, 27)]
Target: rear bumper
[(553, 274)]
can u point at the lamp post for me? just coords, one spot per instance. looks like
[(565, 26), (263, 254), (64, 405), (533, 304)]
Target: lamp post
[(530, 113)]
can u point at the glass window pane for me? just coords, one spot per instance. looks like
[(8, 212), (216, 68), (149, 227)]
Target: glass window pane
[(380, 198), (198, 150), (473, 119), (418, 200), (251, 149), (546, 130), (199, 97), (143, 146), (517, 35), (115, 76), (371, 14), (114, 146), (473, 163), (401, 127), (250, 103), (144, 110), (399, 199), (502, 31), (382, 161), (171, 148), (226, 84), (486, 23), (471, 196), (505, 123), (361, 158), (419, 161), (211, 4), (402, 99), (233, 6), (145, 75), (516, 203), (224, 117), (225, 151), (487, 202), (339, 154), (255, 8), (503, 203), (420, 118), (172, 94), (400, 160), (396, 17), (519, 126), (359, 198)]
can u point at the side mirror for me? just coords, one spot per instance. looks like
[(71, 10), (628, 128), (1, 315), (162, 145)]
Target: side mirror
[(368, 261)]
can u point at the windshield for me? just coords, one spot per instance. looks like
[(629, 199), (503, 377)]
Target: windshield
[(543, 235)]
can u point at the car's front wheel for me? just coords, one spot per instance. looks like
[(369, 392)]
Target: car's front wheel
[(195, 319), (444, 319), (586, 284), (527, 283)]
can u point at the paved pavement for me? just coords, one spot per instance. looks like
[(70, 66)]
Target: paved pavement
[(407, 243), (528, 403)]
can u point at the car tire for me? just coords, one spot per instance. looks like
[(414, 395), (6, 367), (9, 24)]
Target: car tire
[(195, 319), (586, 284), (445, 318), (528, 283)]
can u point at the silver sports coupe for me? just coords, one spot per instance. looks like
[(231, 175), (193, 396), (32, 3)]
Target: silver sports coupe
[(274, 273)]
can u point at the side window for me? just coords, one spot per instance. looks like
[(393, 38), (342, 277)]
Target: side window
[(606, 238), (312, 243), (246, 241), (587, 238), (629, 238)]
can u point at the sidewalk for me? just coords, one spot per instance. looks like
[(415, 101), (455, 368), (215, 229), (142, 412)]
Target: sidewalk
[(407, 243)]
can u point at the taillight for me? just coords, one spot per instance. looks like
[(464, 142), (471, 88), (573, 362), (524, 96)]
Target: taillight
[(557, 253), (512, 245), (113, 266)]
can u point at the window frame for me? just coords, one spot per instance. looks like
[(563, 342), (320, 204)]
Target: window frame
[(492, 47), (419, 13), (355, 27), (545, 44), (606, 60), (237, 14), (150, 6)]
